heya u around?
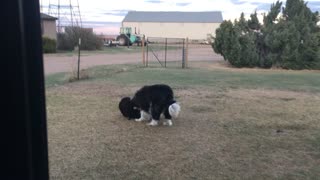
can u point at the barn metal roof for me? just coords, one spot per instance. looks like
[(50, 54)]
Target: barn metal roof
[(47, 17), (182, 17)]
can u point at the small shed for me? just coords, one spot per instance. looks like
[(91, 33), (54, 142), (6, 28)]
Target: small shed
[(48, 26)]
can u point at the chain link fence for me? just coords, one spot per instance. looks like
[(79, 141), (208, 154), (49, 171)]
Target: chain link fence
[(201, 51), (166, 52), (177, 52)]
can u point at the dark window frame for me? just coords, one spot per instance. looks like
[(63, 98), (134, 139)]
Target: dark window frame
[(24, 125)]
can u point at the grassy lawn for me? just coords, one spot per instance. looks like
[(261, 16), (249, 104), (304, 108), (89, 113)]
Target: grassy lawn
[(234, 124)]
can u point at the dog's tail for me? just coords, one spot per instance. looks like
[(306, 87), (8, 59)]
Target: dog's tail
[(174, 109)]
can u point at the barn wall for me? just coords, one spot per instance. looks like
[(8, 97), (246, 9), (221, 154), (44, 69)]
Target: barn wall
[(197, 31), (49, 29)]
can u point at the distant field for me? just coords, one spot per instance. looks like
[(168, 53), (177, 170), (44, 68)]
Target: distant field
[(234, 124)]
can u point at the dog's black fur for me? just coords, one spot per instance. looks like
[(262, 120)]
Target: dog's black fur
[(127, 109), (155, 100)]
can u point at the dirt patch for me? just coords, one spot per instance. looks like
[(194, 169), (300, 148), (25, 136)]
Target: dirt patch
[(234, 134)]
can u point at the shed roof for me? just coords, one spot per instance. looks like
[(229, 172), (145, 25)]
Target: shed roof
[(47, 17), (183, 17)]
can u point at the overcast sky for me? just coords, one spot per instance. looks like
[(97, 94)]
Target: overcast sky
[(105, 16)]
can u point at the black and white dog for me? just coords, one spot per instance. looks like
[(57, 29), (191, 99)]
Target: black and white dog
[(127, 109), (151, 101)]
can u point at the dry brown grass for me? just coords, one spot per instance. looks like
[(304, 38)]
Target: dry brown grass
[(224, 65), (73, 76), (229, 134)]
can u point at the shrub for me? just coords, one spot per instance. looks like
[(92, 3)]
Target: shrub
[(49, 45), (83, 74), (223, 40), (236, 44), (69, 39)]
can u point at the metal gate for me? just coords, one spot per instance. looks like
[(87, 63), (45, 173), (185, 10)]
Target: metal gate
[(166, 52)]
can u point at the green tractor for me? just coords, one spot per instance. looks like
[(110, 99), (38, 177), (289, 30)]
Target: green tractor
[(126, 38)]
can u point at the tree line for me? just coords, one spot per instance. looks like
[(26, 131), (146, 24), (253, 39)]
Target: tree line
[(288, 38)]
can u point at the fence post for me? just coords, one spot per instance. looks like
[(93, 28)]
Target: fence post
[(183, 54), (187, 52), (165, 55), (147, 60), (79, 45), (143, 53)]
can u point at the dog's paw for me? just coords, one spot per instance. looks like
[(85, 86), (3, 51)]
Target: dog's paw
[(145, 116), (168, 122), (153, 123), (139, 120)]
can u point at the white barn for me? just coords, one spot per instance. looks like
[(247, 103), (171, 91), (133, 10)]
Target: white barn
[(194, 25)]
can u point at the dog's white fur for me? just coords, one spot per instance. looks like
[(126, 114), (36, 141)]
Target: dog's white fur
[(153, 123), (168, 122), (174, 111), (143, 117)]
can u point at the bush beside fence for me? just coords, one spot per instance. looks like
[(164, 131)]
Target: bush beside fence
[(49, 45)]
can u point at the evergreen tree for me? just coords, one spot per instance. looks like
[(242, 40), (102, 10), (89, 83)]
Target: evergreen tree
[(233, 53), (246, 38), (290, 41), (302, 48), (242, 24), (273, 14), (223, 39), (253, 22), (236, 43), (269, 43)]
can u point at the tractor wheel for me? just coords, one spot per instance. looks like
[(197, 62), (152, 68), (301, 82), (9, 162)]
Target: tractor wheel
[(123, 40)]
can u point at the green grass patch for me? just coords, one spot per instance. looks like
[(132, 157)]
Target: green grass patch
[(138, 75), (56, 79)]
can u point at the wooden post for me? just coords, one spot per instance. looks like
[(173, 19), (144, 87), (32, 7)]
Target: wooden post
[(187, 52)]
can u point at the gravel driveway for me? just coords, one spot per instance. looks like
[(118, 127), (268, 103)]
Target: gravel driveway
[(54, 63)]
